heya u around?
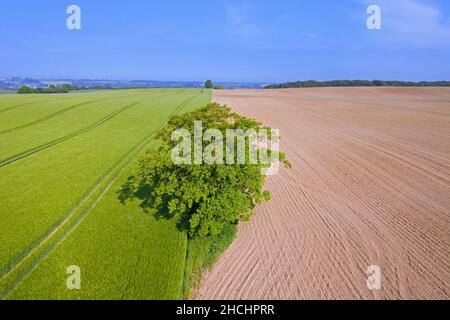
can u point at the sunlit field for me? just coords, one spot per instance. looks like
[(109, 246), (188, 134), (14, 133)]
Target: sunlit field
[(62, 160)]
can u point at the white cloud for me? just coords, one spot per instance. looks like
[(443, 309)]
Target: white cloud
[(238, 20), (312, 35), (413, 22)]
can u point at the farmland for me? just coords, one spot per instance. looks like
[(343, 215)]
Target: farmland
[(369, 185), (62, 160)]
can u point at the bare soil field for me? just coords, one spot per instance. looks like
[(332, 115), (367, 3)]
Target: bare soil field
[(370, 185)]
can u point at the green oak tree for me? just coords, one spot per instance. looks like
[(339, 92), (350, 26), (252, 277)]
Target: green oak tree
[(205, 198)]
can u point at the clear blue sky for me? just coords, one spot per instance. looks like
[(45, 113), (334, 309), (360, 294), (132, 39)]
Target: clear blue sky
[(226, 40)]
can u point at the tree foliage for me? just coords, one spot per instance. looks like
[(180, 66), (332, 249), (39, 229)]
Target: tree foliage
[(205, 198), (209, 84), (24, 90), (65, 88), (357, 83), (50, 89)]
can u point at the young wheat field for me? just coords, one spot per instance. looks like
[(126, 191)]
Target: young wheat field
[(63, 159)]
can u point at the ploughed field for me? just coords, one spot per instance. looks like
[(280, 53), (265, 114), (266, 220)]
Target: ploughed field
[(62, 160), (370, 185)]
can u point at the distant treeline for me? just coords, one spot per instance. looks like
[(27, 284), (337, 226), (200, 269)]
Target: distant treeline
[(58, 89), (357, 83)]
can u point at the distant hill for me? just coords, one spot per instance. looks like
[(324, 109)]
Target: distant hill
[(17, 82), (357, 83)]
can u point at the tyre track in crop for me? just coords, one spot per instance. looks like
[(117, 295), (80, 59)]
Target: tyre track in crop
[(6, 269), (20, 105), (74, 134), (53, 115), (109, 178)]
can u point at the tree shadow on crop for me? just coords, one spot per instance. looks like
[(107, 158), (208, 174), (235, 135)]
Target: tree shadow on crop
[(142, 192)]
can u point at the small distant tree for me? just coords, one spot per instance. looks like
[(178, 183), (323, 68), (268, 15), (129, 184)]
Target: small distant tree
[(209, 84), (68, 87), (24, 90)]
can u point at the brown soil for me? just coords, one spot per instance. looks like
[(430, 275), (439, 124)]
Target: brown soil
[(370, 185)]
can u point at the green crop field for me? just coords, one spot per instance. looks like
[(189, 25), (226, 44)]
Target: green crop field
[(63, 159)]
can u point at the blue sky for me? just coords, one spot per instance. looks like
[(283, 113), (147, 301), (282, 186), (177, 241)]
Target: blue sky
[(226, 40)]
